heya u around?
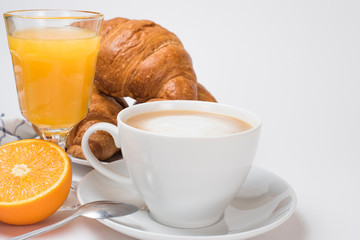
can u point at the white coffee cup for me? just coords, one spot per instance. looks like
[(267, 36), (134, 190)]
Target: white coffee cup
[(186, 182)]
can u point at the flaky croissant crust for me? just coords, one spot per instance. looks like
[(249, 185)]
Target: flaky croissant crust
[(102, 109), (144, 61)]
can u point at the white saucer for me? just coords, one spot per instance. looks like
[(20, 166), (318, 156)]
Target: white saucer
[(263, 203)]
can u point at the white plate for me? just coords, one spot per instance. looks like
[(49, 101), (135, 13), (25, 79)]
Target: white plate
[(116, 157), (79, 161), (263, 203)]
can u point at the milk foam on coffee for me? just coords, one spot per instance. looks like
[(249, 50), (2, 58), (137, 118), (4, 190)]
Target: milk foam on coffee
[(188, 123)]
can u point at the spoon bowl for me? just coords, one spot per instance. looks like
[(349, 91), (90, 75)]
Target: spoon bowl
[(105, 209)]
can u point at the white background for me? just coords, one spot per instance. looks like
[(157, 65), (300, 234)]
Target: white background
[(295, 63)]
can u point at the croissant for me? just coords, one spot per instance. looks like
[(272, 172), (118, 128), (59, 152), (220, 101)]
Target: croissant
[(102, 109), (144, 61), (137, 59)]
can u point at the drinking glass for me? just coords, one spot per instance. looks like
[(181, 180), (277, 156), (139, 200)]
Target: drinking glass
[(54, 58)]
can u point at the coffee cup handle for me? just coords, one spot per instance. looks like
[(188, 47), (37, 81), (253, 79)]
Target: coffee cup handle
[(100, 167)]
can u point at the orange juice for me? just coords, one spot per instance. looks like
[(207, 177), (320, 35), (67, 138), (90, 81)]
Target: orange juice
[(54, 71)]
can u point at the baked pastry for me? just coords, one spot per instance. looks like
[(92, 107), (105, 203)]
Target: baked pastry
[(142, 60), (102, 109), (137, 59)]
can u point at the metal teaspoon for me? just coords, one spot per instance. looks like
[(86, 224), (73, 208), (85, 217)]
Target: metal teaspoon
[(96, 210)]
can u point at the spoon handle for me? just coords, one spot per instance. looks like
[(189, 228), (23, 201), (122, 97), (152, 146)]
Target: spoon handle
[(46, 229)]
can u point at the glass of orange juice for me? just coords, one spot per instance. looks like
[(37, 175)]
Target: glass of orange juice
[(54, 58)]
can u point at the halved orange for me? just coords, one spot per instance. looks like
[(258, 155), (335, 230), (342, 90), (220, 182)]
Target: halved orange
[(35, 180)]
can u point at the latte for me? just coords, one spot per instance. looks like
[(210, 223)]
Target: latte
[(188, 123)]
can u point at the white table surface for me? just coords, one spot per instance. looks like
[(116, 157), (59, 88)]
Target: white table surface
[(295, 63)]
